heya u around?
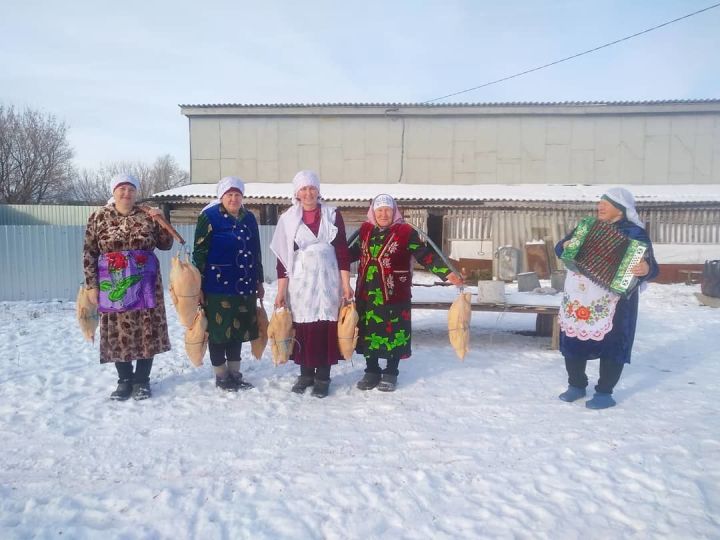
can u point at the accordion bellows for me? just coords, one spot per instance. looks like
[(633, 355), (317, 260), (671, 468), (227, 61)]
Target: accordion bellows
[(604, 255)]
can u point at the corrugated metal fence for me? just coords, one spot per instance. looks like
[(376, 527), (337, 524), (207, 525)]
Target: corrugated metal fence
[(41, 262), (694, 226), (515, 227), (44, 214), (45, 262), (510, 228)]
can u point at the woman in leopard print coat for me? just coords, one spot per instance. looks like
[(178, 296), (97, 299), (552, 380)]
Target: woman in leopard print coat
[(123, 275)]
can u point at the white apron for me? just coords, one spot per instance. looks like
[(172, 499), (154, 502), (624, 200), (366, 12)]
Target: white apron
[(587, 310), (314, 289)]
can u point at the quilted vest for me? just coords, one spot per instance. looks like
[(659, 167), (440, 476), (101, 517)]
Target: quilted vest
[(231, 266)]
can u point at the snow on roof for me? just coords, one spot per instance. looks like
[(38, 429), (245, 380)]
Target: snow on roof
[(436, 105), (686, 193)]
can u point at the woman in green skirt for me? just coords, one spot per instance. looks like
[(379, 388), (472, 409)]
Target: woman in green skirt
[(385, 249), (227, 253)]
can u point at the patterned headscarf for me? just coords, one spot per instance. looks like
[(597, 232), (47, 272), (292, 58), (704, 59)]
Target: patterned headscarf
[(384, 200)]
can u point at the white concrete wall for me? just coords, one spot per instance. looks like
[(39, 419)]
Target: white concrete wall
[(656, 148)]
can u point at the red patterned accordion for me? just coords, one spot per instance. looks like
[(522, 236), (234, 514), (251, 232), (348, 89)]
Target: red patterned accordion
[(601, 253)]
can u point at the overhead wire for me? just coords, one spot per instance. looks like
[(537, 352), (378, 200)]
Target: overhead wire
[(574, 55)]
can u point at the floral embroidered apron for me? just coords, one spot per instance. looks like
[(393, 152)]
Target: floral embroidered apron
[(586, 310)]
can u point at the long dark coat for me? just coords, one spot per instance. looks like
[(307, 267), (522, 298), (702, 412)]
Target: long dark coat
[(617, 344)]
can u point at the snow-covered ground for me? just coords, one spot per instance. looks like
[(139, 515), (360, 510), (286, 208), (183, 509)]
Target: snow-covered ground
[(474, 449)]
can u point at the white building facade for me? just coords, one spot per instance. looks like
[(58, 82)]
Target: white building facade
[(658, 143)]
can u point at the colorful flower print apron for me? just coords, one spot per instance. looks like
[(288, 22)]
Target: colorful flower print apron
[(127, 280)]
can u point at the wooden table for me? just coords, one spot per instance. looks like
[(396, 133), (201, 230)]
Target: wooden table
[(691, 276), (546, 323)]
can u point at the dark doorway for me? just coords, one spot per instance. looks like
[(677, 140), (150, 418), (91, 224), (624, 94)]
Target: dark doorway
[(435, 228)]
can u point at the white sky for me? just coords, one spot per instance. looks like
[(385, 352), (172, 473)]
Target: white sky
[(116, 72)]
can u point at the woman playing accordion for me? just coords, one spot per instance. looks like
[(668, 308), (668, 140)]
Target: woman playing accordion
[(596, 321)]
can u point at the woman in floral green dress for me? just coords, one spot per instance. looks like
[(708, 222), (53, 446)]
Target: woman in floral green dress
[(383, 291)]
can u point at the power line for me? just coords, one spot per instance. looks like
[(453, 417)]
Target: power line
[(575, 55)]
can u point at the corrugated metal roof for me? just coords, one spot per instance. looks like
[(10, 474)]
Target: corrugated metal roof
[(464, 104), (691, 193)]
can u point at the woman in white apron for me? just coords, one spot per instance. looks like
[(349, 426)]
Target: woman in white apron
[(313, 278)]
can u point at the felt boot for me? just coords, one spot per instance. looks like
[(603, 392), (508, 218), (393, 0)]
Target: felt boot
[(573, 393), (600, 401), (321, 388), (388, 383), (141, 391), (226, 383), (123, 391), (369, 381), (302, 383), (241, 384)]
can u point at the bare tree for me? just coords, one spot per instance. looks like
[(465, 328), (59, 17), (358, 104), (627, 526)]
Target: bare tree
[(167, 174), (93, 185), (89, 188), (35, 157)]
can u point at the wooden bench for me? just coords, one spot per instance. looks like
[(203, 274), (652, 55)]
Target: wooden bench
[(546, 323)]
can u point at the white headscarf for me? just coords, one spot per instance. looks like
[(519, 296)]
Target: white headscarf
[(623, 200), (283, 240), (122, 178), (304, 179), (380, 201), (224, 185)]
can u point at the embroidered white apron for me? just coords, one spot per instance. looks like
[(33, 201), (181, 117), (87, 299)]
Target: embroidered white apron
[(586, 310), (314, 290)]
